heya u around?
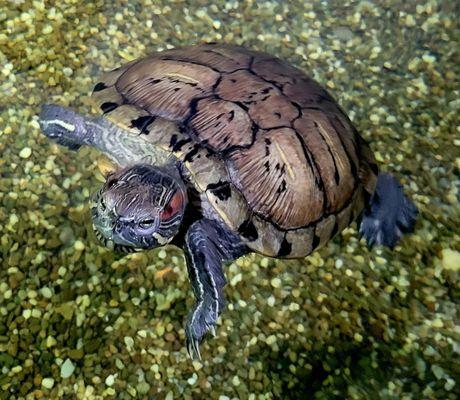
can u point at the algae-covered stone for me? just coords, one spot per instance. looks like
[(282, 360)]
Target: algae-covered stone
[(48, 383), (67, 368), (451, 259)]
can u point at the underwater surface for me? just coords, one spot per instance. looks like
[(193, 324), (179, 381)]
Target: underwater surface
[(80, 322)]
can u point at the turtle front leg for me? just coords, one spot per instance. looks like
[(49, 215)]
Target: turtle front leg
[(65, 126), (73, 130), (207, 245)]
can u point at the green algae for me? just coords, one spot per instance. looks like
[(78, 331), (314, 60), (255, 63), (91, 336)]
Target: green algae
[(347, 322)]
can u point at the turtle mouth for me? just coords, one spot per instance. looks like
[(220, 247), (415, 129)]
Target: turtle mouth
[(107, 239), (110, 244)]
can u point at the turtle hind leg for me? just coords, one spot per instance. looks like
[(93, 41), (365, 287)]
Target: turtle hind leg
[(389, 213), (64, 126)]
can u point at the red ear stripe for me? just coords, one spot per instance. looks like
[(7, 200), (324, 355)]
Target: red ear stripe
[(175, 205)]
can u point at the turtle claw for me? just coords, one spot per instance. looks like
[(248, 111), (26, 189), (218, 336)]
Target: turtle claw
[(212, 331), (201, 321), (193, 349)]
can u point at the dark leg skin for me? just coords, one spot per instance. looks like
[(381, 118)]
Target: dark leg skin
[(389, 214), (208, 244), (65, 126), (73, 130)]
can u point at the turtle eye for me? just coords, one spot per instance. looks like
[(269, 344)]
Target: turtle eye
[(174, 206), (167, 212), (111, 183), (146, 223)]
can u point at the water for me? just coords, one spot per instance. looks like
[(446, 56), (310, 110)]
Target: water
[(77, 321)]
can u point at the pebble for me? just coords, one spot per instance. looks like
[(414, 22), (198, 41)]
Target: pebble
[(46, 292), (451, 259), (26, 152), (48, 383), (110, 380), (79, 245), (67, 368), (276, 282)]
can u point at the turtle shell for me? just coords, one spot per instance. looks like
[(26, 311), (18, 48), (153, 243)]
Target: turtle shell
[(274, 154)]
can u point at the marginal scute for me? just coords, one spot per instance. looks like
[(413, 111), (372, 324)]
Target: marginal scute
[(221, 189), (269, 237), (285, 248), (368, 169), (248, 230), (125, 114), (107, 95), (233, 211), (207, 170), (344, 217), (301, 241), (325, 229), (108, 106), (99, 86), (160, 131)]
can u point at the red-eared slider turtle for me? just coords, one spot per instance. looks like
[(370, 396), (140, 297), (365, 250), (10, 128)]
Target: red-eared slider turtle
[(223, 151)]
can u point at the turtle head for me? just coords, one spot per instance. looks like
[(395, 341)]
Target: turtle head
[(139, 207)]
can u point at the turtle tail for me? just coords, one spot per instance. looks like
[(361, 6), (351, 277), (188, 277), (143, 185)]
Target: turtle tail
[(389, 214)]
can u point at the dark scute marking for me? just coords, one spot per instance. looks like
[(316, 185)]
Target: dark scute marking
[(239, 103), (334, 229), (177, 145), (337, 177), (267, 165), (173, 141), (142, 123), (277, 114), (192, 153), (336, 171), (352, 164), (367, 197), (374, 168), (248, 230), (154, 81), (99, 86), (220, 189), (108, 106), (285, 248), (268, 142), (316, 241), (282, 187), (231, 115)]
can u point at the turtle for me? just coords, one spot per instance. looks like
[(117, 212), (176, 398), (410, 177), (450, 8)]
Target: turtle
[(222, 151)]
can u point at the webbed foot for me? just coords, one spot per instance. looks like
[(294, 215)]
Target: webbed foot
[(389, 214), (201, 320)]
